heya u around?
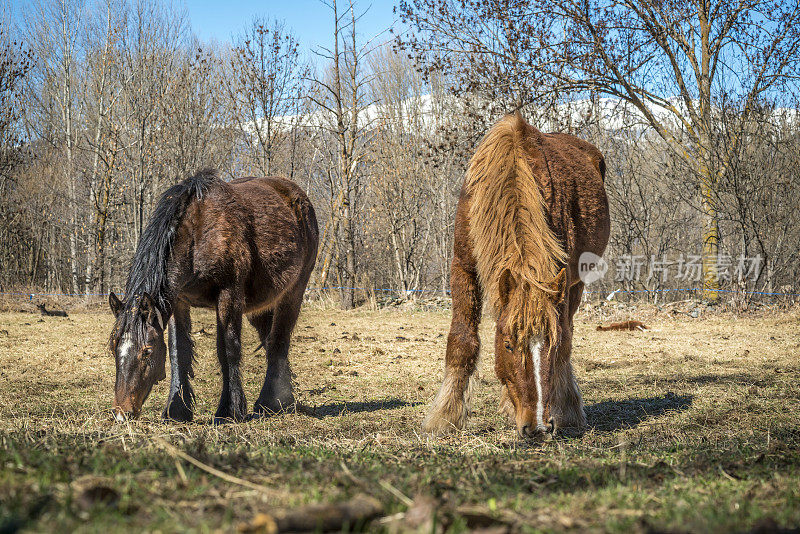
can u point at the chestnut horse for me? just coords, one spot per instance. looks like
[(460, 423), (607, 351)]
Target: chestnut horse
[(530, 205), (243, 247)]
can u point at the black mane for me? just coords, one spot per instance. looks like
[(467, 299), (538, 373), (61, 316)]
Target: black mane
[(148, 272)]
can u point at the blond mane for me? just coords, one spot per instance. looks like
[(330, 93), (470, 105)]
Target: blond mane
[(508, 226)]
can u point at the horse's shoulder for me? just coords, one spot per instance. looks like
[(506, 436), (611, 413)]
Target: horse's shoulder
[(565, 141), (573, 149)]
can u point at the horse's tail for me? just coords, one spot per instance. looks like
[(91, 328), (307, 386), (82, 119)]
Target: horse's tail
[(307, 219), (310, 228), (149, 267), (508, 225)]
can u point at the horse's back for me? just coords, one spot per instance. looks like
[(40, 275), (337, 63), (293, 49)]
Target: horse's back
[(256, 234), (577, 159), (278, 197), (271, 209), (574, 186)]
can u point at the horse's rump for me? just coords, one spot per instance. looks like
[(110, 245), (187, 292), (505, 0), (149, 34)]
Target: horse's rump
[(259, 234)]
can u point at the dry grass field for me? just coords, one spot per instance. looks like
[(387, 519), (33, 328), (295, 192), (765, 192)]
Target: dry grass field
[(694, 427)]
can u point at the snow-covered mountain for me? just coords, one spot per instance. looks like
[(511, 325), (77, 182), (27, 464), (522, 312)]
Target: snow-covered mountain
[(426, 112)]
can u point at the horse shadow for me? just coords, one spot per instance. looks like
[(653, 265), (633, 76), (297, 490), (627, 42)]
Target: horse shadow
[(334, 409), (608, 416)]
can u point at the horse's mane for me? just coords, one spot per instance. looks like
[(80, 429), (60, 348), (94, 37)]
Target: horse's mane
[(148, 273), (508, 226)]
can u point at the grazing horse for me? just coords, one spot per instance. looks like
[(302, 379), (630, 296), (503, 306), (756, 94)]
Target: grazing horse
[(530, 205), (242, 247)]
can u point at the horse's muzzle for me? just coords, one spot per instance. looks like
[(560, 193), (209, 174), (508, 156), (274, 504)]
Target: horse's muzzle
[(538, 432), (122, 415)]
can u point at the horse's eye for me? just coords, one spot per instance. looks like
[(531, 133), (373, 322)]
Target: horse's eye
[(147, 351), (508, 346)]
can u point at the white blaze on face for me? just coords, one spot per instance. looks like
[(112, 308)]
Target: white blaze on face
[(125, 347), (536, 356)]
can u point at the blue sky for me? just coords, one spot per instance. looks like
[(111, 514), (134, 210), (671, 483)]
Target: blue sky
[(309, 20)]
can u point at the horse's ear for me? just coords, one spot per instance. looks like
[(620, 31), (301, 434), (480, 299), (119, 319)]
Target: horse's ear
[(149, 310), (115, 304), (558, 286), (505, 286), (145, 304)]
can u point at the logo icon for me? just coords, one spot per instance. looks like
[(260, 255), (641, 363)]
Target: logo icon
[(591, 267)]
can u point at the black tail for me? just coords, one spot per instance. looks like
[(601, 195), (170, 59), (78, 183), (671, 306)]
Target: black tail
[(148, 272)]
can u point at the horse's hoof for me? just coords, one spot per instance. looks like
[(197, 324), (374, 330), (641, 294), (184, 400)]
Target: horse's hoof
[(177, 413), (266, 409), (220, 420), (262, 414), (440, 421)]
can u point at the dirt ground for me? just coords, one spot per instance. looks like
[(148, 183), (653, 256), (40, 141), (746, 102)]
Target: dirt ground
[(694, 425)]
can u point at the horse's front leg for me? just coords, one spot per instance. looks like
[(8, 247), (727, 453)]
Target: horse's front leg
[(452, 403), (566, 406), (232, 403), (180, 403)]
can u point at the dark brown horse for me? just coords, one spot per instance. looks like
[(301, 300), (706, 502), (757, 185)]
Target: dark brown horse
[(530, 205), (243, 247)]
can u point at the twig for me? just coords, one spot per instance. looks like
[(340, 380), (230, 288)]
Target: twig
[(214, 471), (396, 492), (359, 482), (391, 518), (181, 472), (726, 475)]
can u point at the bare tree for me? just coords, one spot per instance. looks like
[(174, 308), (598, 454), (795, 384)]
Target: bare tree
[(152, 55), (759, 195), (342, 99), (672, 61), (102, 91), (15, 62), (120, 100), (53, 31), (197, 113), (401, 183), (265, 87)]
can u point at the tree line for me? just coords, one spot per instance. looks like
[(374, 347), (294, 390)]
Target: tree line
[(105, 103)]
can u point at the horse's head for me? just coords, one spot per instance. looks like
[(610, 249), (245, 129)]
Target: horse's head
[(137, 342), (528, 331)]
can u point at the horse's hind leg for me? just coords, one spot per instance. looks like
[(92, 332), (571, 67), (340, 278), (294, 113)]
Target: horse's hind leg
[(262, 322), (232, 403), (452, 403), (180, 402), (276, 393)]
